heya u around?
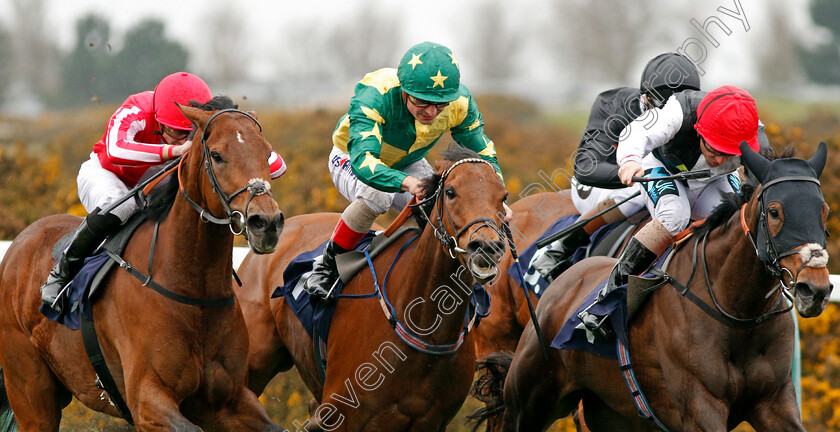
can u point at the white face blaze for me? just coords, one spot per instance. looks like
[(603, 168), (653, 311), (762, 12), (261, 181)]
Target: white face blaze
[(239, 137), (814, 255)]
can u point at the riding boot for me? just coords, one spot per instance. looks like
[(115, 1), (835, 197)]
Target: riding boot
[(635, 259), (556, 261), (324, 275), (87, 237)]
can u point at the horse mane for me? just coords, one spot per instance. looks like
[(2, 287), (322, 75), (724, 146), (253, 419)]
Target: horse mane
[(451, 154), (160, 199), (732, 202)]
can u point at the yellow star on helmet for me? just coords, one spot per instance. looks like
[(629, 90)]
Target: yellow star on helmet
[(439, 79), (371, 162), (373, 132), (415, 60), (454, 61)]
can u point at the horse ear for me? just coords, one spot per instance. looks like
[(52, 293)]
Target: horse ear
[(254, 114), (195, 115), (755, 162), (817, 161)]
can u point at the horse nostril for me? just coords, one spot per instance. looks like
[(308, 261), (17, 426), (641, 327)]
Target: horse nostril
[(499, 247), (257, 223), (489, 248), (474, 245), (805, 290)]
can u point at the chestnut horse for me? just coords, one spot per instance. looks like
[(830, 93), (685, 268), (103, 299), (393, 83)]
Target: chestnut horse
[(704, 366), (178, 366), (374, 380)]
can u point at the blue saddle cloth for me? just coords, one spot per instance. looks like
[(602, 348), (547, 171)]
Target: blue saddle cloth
[(531, 276), (315, 319), (77, 294), (573, 335)]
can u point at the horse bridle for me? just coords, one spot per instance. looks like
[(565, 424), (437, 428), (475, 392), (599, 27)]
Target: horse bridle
[(255, 186), (449, 241), (774, 266)]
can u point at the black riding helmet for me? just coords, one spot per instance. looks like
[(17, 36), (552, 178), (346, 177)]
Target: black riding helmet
[(666, 74)]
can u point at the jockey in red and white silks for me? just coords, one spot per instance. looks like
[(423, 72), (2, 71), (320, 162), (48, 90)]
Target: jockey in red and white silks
[(132, 143)]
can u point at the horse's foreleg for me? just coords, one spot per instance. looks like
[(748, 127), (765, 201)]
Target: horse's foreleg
[(243, 413), (531, 391), (35, 394), (778, 413), (701, 411), (157, 409), (267, 355)]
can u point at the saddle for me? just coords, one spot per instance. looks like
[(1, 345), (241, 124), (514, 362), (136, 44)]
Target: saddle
[(349, 263), (88, 280)]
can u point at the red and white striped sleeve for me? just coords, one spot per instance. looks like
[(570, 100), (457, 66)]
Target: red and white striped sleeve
[(122, 139), (277, 165)]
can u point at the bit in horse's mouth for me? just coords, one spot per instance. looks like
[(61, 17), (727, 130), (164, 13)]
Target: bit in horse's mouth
[(482, 269)]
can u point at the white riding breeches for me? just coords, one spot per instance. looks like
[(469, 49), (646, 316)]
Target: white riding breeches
[(352, 188), (99, 187), (587, 197), (676, 203)]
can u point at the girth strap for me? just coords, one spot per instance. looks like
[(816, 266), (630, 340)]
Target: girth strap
[(104, 380)]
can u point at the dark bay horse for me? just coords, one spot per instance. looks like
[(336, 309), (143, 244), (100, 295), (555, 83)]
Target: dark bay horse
[(700, 370), (178, 366), (501, 330), (374, 380)]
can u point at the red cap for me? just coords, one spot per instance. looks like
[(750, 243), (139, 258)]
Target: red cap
[(726, 116), (180, 87)]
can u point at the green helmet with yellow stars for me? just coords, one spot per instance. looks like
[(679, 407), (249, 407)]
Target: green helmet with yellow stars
[(430, 72)]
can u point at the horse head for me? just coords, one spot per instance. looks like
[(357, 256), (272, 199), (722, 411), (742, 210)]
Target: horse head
[(234, 154), (791, 225), (469, 199)]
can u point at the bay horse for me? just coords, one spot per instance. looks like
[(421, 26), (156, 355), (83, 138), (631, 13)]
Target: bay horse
[(178, 365), (375, 380), (501, 330), (532, 216), (701, 368)]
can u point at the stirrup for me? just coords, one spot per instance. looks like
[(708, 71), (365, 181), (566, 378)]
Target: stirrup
[(331, 297), (597, 326), (320, 294)]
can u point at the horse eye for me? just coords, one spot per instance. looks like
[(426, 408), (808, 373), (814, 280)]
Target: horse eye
[(773, 213), (450, 193), (216, 156)]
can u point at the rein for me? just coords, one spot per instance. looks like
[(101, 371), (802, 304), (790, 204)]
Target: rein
[(407, 336), (774, 267), (450, 244), (255, 186), (717, 311)]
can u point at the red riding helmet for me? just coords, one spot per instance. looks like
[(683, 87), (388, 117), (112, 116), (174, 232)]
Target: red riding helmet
[(180, 87), (726, 116)]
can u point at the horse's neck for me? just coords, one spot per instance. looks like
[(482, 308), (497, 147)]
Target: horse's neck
[(739, 279), (428, 269), (195, 251)]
